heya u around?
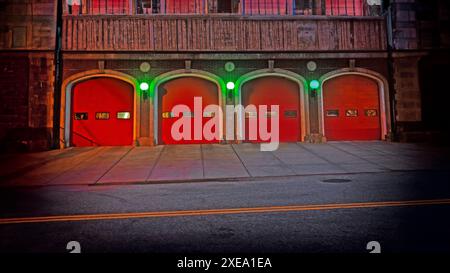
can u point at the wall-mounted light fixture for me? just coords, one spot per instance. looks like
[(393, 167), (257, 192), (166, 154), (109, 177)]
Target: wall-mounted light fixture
[(314, 86), (230, 85), (230, 90), (144, 86)]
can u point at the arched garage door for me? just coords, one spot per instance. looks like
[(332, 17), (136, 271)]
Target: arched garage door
[(182, 91), (351, 105), (102, 113), (273, 90)]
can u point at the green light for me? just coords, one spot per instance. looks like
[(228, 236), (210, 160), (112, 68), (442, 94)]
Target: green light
[(314, 84), (144, 86), (230, 85)]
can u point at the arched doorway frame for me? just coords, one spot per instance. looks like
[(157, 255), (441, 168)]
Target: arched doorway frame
[(383, 89), (276, 72), (181, 73), (66, 99)]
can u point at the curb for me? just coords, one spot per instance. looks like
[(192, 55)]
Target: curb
[(210, 180)]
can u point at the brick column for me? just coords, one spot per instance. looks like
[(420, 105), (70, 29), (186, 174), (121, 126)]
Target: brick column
[(408, 95), (40, 100)]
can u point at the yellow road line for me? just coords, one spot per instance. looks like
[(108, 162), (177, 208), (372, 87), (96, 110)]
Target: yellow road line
[(115, 216)]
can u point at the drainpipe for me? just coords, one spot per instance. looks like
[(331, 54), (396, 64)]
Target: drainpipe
[(391, 78), (58, 77)]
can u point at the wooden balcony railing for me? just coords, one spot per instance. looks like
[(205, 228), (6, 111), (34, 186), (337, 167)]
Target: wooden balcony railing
[(243, 7), (203, 33)]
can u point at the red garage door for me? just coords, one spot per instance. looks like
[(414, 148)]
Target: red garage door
[(182, 91), (102, 113), (351, 108), (274, 91)]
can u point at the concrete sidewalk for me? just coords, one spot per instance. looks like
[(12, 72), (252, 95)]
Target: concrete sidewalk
[(117, 165)]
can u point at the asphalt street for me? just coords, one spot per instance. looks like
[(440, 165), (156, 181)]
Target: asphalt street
[(421, 228)]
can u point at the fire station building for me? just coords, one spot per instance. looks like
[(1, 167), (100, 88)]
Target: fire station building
[(108, 73)]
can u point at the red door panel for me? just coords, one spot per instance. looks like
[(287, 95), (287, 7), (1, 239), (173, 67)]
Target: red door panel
[(274, 91), (182, 91), (351, 108), (102, 113)]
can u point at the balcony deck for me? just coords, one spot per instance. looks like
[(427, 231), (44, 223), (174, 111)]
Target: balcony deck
[(222, 33)]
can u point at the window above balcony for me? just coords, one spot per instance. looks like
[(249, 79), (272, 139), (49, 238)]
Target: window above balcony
[(238, 7)]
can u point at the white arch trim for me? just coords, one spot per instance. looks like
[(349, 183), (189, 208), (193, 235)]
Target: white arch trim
[(180, 74), (276, 72), (383, 88), (66, 99)]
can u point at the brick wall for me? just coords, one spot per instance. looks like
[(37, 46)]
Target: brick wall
[(404, 24), (420, 31), (433, 22), (26, 95), (27, 40), (407, 88), (13, 94), (421, 24), (27, 24)]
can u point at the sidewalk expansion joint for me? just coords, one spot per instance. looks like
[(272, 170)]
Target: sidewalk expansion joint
[(240, 160), (95, 152), (203, 160), (155, 163), (113, 165), (350, 153), (321, 157)]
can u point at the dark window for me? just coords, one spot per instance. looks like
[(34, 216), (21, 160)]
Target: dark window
[(156, 6), (123, 115), (303, 7), (228, 6), (102, 115), (224, 6), (19, 37), (271, 114), (81, 116), (251, 114), (290, 113), (351, 113), (209, 114), (427, 10), (168, 115), (148, 6), (371, 113), (332, 113)]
